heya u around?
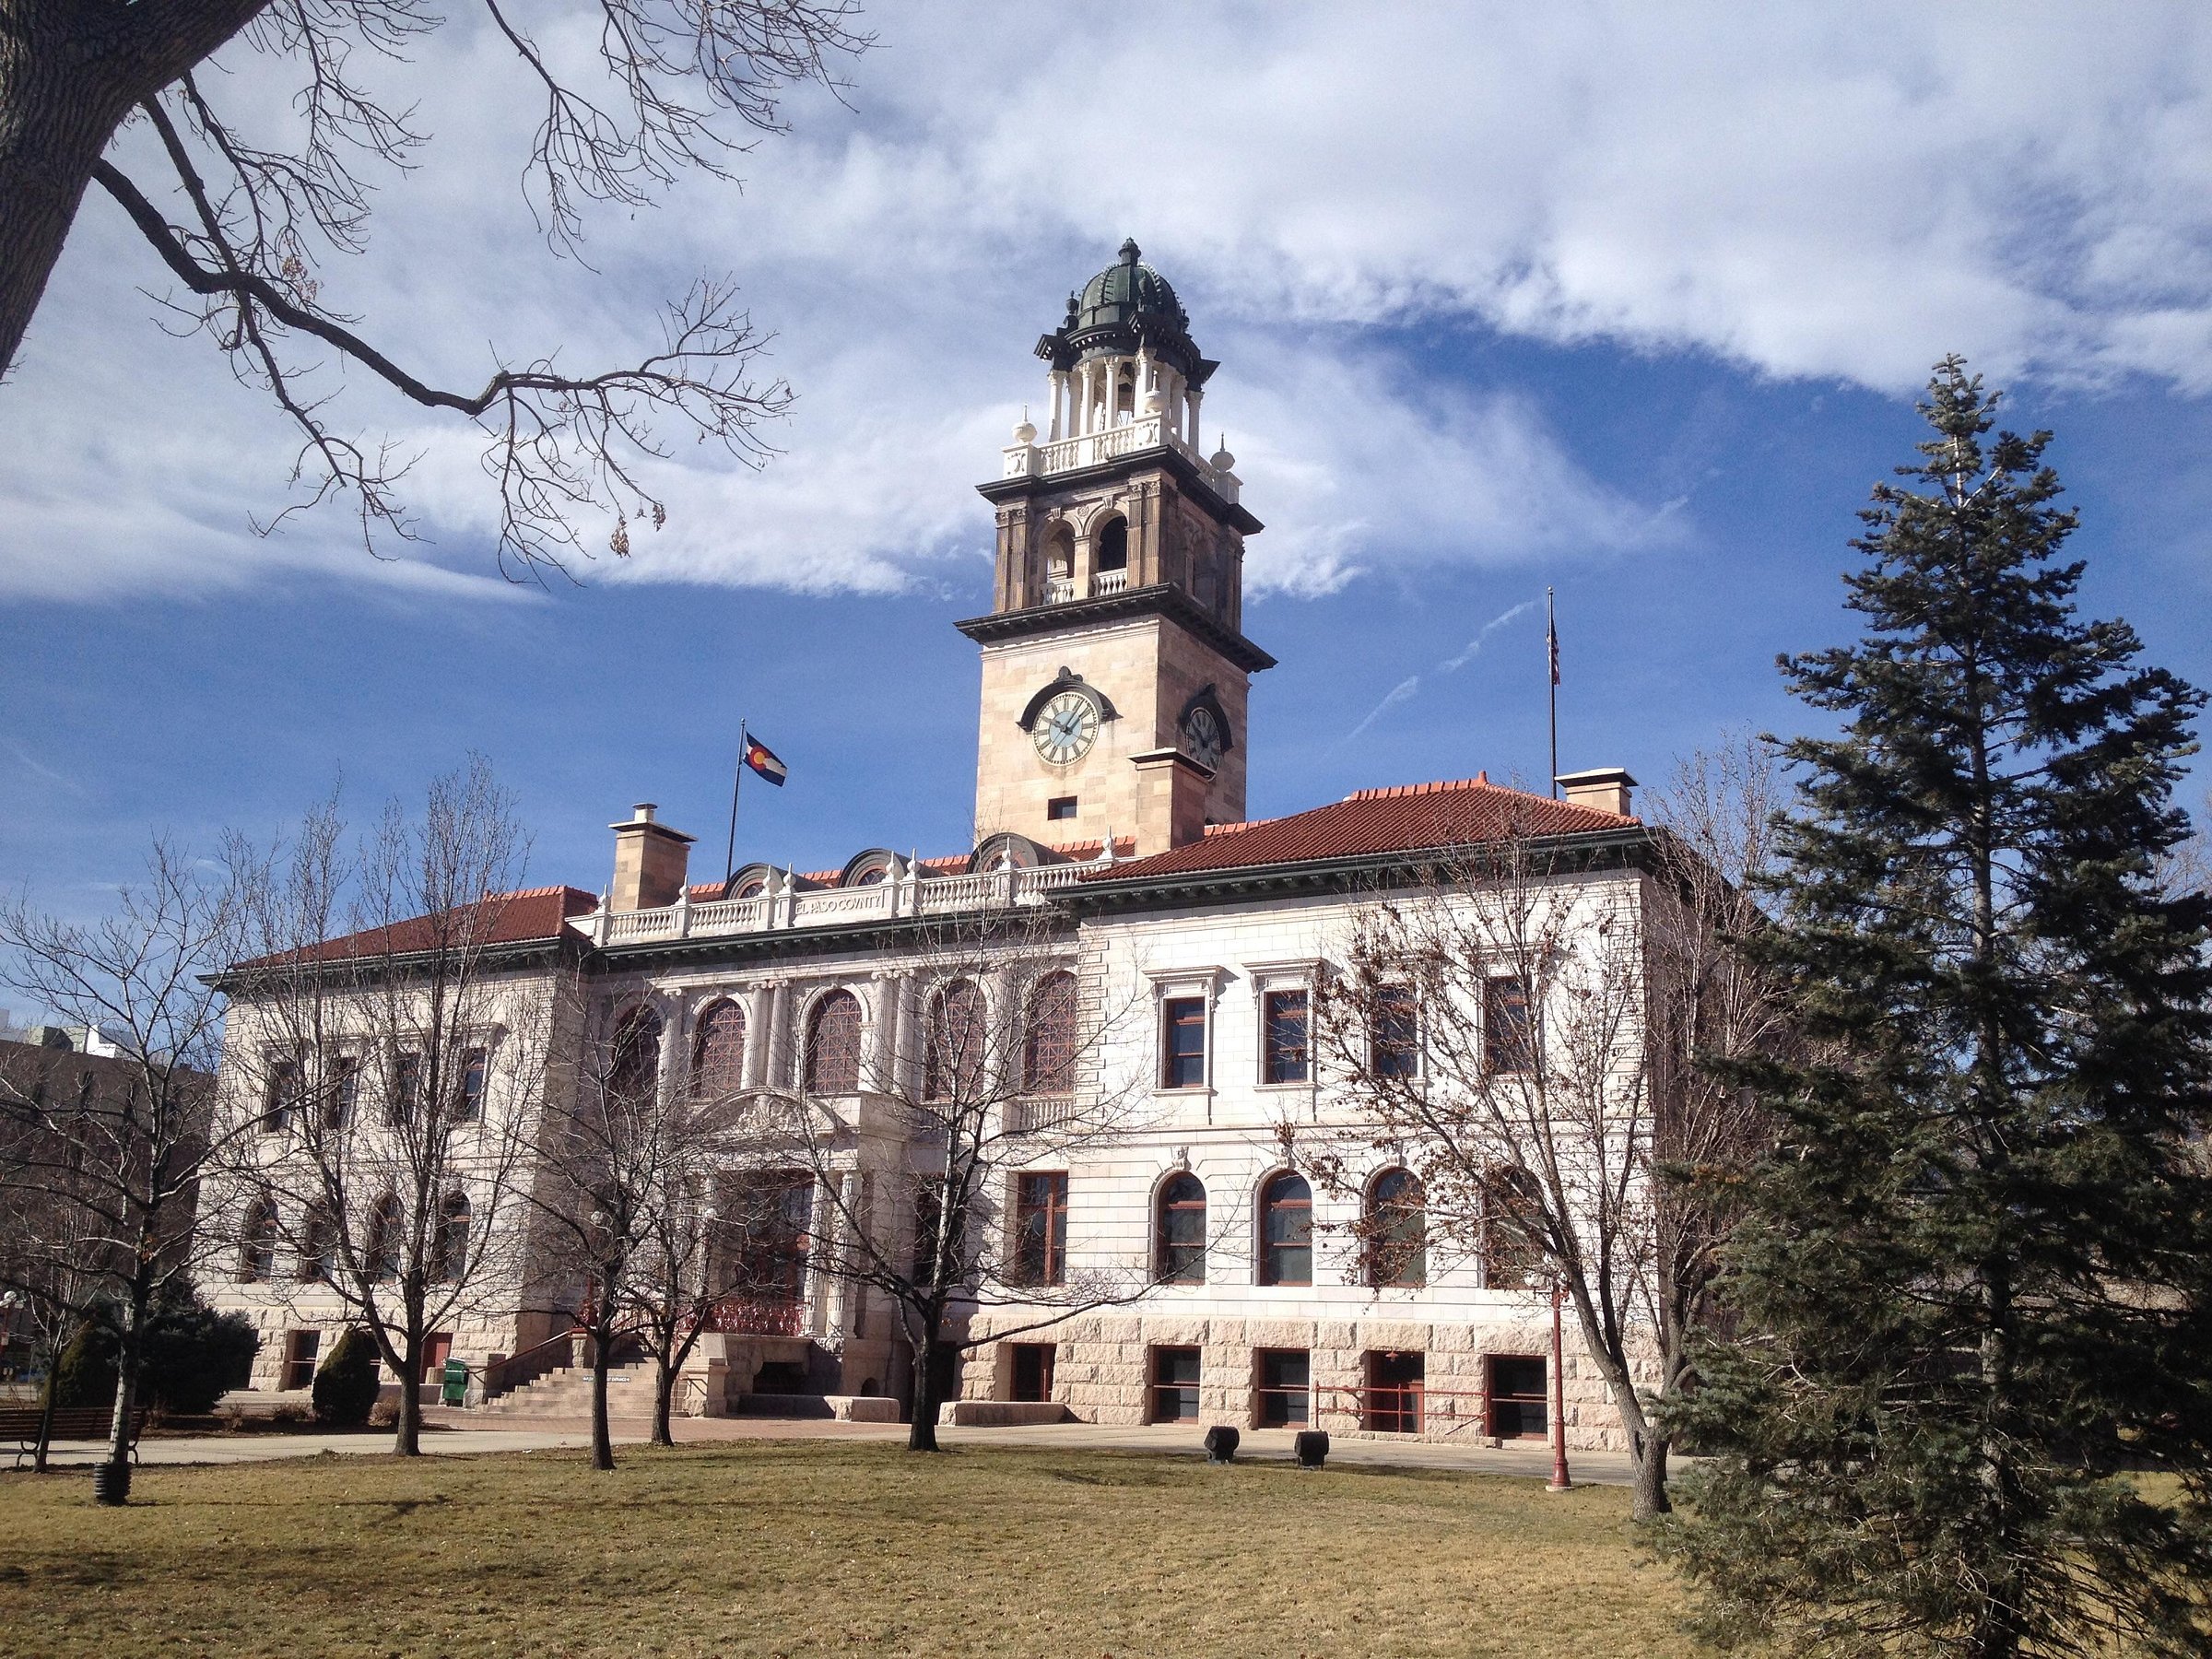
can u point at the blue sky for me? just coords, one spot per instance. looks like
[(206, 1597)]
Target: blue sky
[(1502, 302)]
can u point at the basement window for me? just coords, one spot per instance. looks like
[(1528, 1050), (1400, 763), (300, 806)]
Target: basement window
[(1060, 807)]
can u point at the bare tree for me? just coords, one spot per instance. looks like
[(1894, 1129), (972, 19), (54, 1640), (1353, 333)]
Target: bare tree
[(386, 1069), (245, 225), (1010, 1069), (131, 1157), (1523, 1027), (620, 1172)]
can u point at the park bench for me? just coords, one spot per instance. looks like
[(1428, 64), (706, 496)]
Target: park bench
[(20, 1424)]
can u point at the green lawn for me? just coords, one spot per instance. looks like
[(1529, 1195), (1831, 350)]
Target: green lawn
[(802, 1548)]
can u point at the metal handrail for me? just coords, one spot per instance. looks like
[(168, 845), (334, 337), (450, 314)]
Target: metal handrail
[(499, 1375)]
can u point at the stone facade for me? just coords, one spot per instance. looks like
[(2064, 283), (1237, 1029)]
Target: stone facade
[(1150, 639)]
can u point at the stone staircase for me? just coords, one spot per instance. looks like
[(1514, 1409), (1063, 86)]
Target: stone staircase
[(567, 1392)]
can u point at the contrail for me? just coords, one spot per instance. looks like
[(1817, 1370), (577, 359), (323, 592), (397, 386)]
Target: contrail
[(1490, 627), (1396, 694)]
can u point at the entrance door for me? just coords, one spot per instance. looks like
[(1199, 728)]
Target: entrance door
[(436, 1347)]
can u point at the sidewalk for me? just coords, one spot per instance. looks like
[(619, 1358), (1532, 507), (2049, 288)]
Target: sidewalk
[(448, 1433)]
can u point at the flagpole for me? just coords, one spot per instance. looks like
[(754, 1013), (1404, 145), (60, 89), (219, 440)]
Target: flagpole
[(729, 863), (1551, 685)]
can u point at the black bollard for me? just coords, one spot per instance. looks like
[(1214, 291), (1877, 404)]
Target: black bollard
[(1311, 1447), (1222, 1443)]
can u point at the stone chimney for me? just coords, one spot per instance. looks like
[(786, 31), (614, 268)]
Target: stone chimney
[(650, 861), (1603, 787), (1170, 800)]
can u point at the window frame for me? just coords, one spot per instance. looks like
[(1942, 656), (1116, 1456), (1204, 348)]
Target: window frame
[(1040, 1197), (1157, 1384), (705, 1025), (1379, 1247), (1526, 1054), (1267, 1258), (1170, 1056), (1037, 1076), (1271, 1052), (810, 1051), (1402, 1045), (1164, 1249)]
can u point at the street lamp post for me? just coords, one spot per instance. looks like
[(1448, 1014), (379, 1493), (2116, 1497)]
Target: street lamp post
[(1559, 1481)]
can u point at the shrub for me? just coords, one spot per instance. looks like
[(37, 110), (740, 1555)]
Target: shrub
[(84, 1374), (191, 1356), (346, 1386)]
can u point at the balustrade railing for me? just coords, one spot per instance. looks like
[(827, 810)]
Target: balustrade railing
[(828, 907), (1147, 431)]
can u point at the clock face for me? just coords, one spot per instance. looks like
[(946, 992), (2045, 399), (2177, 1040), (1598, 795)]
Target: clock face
[(1064, 728), (1202, 737)]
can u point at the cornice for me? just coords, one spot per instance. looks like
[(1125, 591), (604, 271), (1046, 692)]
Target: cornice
[(1160, 599)]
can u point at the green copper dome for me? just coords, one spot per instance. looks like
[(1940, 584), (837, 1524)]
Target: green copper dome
[(1127, 307), (1126, 290)]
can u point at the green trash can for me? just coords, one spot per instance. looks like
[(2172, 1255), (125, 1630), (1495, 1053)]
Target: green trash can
[(457, 1383)]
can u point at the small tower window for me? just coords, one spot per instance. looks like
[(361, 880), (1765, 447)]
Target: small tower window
[(1113, 546), (1060, 807)]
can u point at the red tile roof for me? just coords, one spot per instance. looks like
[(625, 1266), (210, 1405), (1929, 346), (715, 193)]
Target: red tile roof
[(1409, 818), (515, 918)]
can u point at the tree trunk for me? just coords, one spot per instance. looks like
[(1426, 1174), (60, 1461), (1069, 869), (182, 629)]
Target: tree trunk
[(1652, 1500), (406, 1427), (68, 74), (603, 1443), (922, 1432), (663, 1394), (127, 1351), (38, 1454), (58, 109)]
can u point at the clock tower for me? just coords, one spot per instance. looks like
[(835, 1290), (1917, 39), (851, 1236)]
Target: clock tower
[(1114, 664)]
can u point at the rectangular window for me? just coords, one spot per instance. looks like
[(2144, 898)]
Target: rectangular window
[(1518, 1397), (1394, 1382), (1175, 1384), (282, 1094), (1183, 1044), (1509, 1028), (300, 1350), (1283, 1021), (1033, 1371), (344, 1087), (1394, 1034), (406, 1085), (1041, 1229), (1060, 807), (468, 1097), (1285, 1378)]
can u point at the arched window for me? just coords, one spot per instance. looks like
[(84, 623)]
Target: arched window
[(387, 1223), (257, 1243), (1179, 1233), (753, 887), (636, 1070), (1059, 553), (318, 1246), (953, 1068), (1286, 1231), (1113, 545), (834, 1045), (1047, 1050), (1512, 1219), (449, 1250), (718, 1051), (1397, 1231)]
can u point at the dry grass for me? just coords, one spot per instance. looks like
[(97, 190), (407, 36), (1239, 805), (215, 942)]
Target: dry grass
[(804, 1549)]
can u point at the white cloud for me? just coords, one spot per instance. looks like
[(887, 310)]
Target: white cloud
[(1799, 192)]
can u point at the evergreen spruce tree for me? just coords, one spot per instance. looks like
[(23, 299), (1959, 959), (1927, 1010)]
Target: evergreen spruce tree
[(1967, 1404)]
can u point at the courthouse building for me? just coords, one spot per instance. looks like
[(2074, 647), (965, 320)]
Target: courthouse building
[(1111, 756)]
